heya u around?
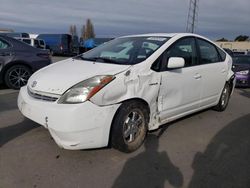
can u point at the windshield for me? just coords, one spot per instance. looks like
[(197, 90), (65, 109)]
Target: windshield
[(129, 50), (241, 60)]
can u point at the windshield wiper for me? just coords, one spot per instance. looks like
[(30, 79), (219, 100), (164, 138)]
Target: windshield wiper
[(84, 58), (103, 59), (106, 60)]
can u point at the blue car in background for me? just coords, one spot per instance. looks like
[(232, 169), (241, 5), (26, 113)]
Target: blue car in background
[(59, 44), (92, 43)]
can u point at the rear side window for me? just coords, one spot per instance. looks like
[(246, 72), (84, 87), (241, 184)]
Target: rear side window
[(222, 54), (3, 44), (36, 43), (208, 52), (28, 41)]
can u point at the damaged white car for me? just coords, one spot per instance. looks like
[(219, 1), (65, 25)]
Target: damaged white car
[(118, 91)]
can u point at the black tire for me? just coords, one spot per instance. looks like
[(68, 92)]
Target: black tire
[(129, 127), (224, 99), (17, 76)]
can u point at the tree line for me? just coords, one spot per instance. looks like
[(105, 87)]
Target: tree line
[(87, 30), (239, 38)]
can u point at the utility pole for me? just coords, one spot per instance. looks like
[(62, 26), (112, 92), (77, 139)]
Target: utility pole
[(192, 16)]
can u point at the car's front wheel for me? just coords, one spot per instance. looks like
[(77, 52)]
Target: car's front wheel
[(224, 98), (17, 76), (130, 126)]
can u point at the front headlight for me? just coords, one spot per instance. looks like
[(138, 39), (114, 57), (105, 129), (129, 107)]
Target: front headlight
[(244, 72), (85, 89)]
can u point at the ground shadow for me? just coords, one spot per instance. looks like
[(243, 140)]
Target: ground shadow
[(8, 102), (2, 86), (245, 92), (149, 169), (226, 161), (11, 132)]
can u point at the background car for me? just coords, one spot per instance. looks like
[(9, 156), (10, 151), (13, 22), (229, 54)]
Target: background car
[(37, 43), (241, 67), (19, 60)]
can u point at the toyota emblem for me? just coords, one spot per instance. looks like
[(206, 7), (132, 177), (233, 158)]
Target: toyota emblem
[(34, 84)]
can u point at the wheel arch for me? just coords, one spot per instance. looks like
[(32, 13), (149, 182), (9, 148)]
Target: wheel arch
[(11, 64), (139, 100)]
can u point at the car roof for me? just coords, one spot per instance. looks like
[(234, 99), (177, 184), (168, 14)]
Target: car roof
[(163, 35)]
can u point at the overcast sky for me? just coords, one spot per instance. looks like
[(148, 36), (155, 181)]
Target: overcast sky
[(217, 18)]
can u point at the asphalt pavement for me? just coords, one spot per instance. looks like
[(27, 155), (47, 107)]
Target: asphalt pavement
[(208, 149)]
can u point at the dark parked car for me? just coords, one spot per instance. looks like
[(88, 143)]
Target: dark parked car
[(19, 60), (230, 52), (241, 67)]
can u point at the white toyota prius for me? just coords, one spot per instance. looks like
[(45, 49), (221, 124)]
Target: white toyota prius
[(118, 91)]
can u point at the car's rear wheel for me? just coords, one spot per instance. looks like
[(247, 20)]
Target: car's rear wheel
[(17, 76), (224, 99), (130, 126)]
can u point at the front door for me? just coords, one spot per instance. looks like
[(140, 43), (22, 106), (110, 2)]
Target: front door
[(180, 89)]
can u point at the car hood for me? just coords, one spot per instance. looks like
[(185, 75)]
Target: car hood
[(60, 76)]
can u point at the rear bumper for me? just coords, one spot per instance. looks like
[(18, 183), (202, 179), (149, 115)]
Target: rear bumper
[(73, 126)]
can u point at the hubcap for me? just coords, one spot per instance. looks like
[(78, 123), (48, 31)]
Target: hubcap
[(19, 77), (133, 126)]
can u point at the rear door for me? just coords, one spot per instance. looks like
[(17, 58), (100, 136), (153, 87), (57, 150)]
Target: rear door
[(180, 88), (213, 72)]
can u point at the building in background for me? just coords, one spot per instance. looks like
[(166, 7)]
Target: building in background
[(236, 46)]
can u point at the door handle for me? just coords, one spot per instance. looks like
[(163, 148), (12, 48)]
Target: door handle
[(5, 54), (223, 70), (197, 76)]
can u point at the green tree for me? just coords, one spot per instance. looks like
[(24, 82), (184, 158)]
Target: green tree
[(222, 40), (88, 30), (241, 38), (73, 30)]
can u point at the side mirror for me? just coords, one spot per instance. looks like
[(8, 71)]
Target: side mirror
[(176, 62)]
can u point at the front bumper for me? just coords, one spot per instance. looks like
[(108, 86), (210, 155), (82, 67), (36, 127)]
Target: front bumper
[(73, 126), (242, 80)]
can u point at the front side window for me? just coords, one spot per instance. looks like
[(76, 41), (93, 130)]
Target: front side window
[(208, 52), (127, 50), (3, 44), (186, 49)]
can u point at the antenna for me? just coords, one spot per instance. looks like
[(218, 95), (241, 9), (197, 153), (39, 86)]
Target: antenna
[(192, 16)]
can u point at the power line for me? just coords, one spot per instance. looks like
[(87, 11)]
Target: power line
[(192, 16)]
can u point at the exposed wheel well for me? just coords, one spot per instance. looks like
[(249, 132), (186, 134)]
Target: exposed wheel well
[(139, 100), (230, 82)]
